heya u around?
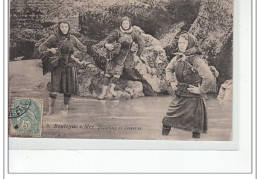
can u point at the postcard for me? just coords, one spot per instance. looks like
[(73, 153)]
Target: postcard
[(128, 70)]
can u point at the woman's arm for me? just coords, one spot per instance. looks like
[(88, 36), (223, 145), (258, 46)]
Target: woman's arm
[(140, 43), (47, 44), (205, 73), (110, 39), (170, 71), (79, 45)]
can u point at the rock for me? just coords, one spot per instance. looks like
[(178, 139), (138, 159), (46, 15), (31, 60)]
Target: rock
[(91, 86), (213, 27), (148, 69), (95, 19), (23, 44), (134, 88), (152, 16), (226, 92), (169, 40), (224, 62), (88, 78), (18, 58)]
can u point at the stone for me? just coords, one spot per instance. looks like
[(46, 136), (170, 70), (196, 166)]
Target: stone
[(226, 92), (169, 40), (213, 27), (91, 86)]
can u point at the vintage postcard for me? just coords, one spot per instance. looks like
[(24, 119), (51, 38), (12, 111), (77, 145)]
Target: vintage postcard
[(121, 69)]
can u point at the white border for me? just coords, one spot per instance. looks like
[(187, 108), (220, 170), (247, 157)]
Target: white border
[(157, 160)]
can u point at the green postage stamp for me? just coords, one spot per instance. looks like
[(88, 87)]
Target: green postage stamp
[(26, 117)]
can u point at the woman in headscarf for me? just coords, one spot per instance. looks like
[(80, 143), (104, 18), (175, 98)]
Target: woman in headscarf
[(64, 75), (190, 78), (119, 53)]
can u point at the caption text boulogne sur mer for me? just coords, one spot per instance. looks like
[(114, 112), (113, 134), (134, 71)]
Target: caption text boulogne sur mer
[(88, 126)]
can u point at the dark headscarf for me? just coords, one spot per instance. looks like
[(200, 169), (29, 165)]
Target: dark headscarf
[(59, 32), (126, 19), (192, 47)]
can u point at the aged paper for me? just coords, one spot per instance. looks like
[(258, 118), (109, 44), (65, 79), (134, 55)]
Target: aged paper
[(116, 69)]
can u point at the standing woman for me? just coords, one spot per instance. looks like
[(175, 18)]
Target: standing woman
[(63, 75), (119, 53), (190, 78)]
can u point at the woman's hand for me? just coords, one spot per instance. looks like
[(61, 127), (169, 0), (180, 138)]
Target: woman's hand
[(173, 85), (109, 46), (81, 63), (76, 60), (182, 57), (194, 89), (52, 50)]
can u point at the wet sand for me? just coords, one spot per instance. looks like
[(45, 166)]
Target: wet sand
[(139, 118)]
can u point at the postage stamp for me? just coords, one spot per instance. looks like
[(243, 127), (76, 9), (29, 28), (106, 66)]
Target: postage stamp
[(26, 117)]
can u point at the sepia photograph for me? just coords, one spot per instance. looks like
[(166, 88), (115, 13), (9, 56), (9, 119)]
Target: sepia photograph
[(121, 69)]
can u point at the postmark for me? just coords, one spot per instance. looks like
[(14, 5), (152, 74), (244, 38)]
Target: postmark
[(25, 117)]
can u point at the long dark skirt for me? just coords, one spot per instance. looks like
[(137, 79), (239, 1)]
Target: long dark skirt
[(64, 80), (188, 114)]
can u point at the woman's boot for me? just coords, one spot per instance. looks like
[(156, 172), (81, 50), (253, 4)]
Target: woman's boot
[(166, 130), (195, 135), (66, 101), (51, 105), (103, 93)]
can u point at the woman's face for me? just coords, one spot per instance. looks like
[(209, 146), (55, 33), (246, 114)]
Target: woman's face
[(182, 44), (64, 27), (126, 24)]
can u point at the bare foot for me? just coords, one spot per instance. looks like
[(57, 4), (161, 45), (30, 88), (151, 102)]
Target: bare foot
[(101, 96), (114, 93)]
